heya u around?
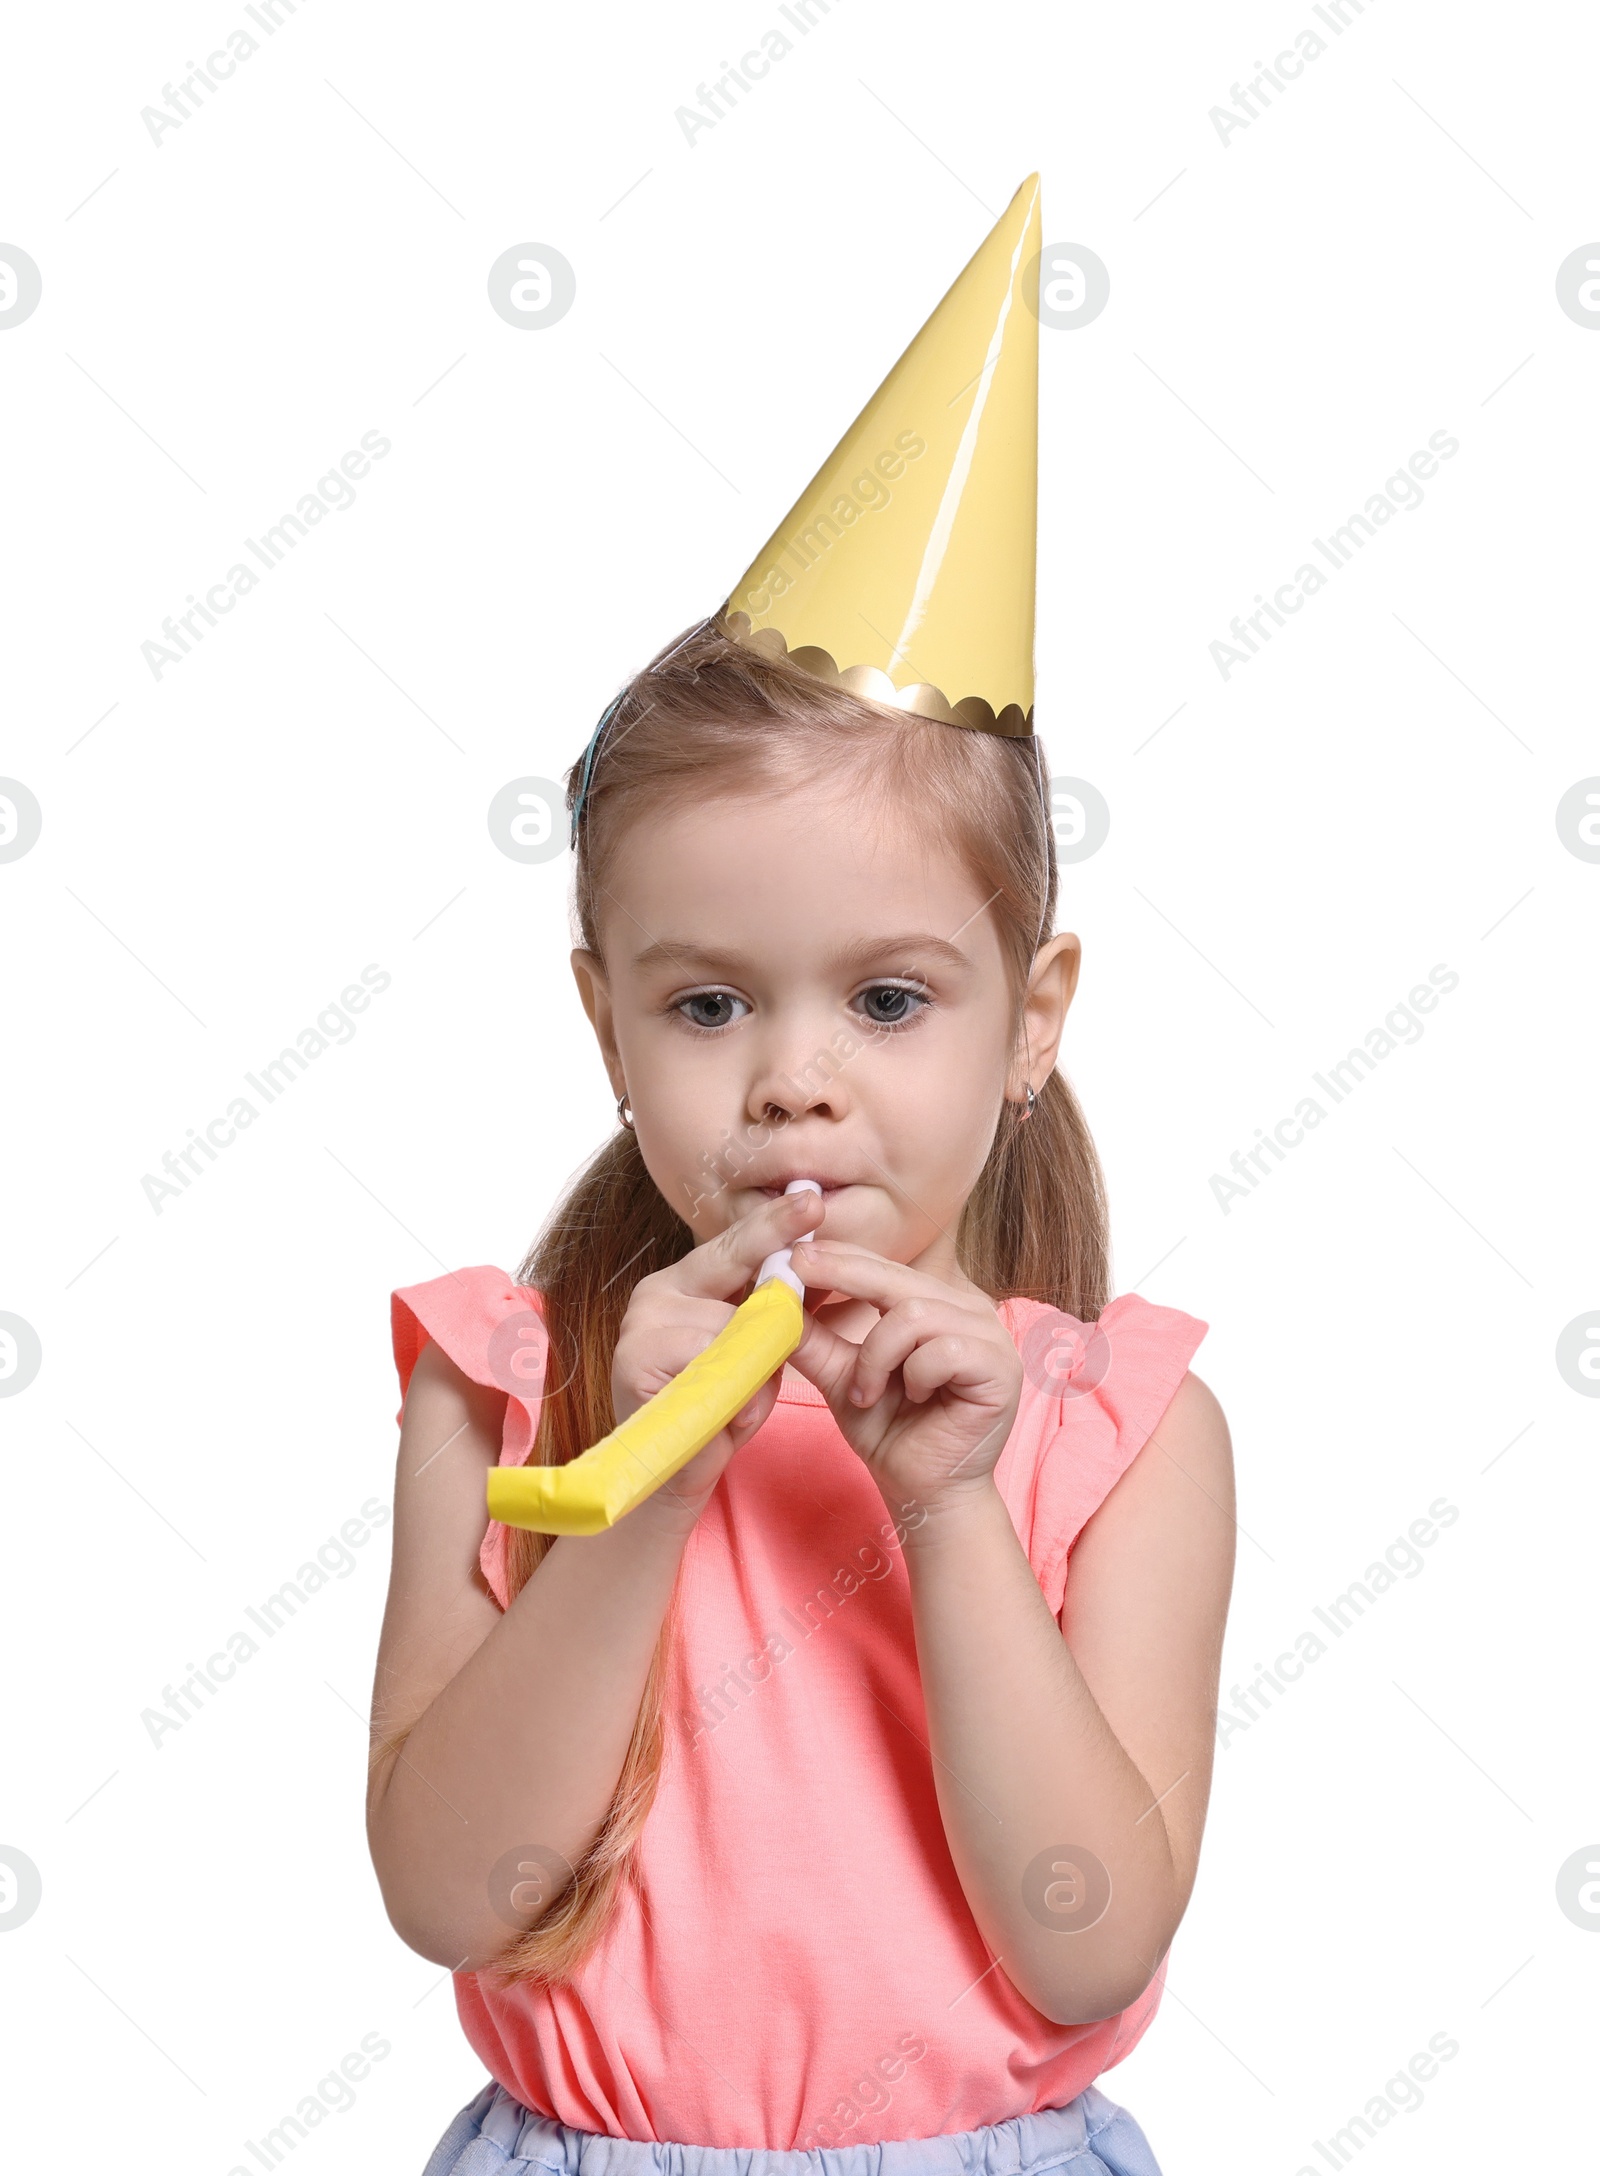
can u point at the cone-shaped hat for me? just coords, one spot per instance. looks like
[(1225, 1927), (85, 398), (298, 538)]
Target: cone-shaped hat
[(905, 569)]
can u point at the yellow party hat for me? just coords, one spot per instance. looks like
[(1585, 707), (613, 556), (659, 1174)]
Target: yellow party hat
[(905, 569)]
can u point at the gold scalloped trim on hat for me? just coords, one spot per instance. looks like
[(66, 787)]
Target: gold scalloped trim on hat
[(921, 698)]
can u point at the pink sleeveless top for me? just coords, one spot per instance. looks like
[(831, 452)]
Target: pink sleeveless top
[(798, 1966)]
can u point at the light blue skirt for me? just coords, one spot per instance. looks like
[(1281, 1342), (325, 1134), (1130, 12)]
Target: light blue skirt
[(496, 2136)]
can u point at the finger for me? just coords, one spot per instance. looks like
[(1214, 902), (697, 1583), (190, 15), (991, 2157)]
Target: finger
[(891, 1341), (656, 1353), (725, 1265), (825, 1359), (861, 1274), (967, 1365), (751, 1415)]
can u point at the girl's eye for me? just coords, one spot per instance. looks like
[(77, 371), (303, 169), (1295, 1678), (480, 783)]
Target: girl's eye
[(711, 1000), (891, 1005)]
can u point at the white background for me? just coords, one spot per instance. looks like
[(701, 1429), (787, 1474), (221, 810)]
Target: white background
[(1292, 314)]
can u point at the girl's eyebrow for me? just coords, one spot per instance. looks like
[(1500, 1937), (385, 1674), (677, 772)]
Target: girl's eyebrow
[(684, 952)]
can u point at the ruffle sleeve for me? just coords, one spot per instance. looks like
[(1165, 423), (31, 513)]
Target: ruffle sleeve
[(493, 1329), (1092, 1396)]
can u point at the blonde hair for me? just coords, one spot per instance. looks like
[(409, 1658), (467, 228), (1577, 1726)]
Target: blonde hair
[(711, 715)]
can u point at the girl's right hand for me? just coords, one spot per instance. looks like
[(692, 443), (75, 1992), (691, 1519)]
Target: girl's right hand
[(672, 1317)]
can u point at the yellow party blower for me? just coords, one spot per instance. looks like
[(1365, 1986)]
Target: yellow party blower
[(604, 1484)]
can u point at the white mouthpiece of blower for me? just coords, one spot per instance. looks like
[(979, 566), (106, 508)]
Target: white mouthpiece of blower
[(777, 1265)]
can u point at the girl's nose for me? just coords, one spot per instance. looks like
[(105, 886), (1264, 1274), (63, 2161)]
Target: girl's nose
[(808, 1078)]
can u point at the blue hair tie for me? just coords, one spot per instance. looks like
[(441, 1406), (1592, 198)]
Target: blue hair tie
[(589, 755), (610, 712)]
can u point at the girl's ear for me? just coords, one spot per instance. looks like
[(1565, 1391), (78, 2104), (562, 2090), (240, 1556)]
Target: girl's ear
[(588, 971), (1051, 987)]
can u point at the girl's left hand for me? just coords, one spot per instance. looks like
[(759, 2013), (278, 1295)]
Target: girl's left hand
[(928, 1397)]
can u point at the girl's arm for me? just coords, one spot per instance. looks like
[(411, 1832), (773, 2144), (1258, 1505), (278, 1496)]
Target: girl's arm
[(517, 1723), (1072, 1761), (515, 1726), (1055, 1755)]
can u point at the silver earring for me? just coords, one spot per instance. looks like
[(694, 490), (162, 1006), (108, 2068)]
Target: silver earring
[(1031, 1104), (624, 1111)]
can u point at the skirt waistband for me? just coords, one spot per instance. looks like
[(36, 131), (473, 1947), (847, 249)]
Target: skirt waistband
[(496, 2136)]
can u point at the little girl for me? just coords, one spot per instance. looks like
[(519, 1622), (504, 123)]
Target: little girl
[(847, 1794)]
